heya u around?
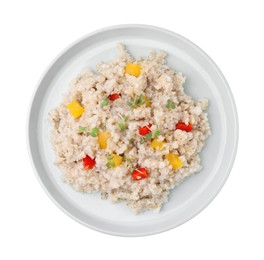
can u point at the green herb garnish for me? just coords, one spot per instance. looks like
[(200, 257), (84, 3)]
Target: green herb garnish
[(133, 103), (82, 129), (142, 141), (94, 132), (110, 164), (104, 102), (122, 126), (149, 136), (138, 101), (127, 159), (142, 99), (170, 104), (157, 133)]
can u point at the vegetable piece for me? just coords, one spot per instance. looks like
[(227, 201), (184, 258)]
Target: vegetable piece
[(114, 160), (149, 136), (82, 129), (144, 130), (88, 163), (110, 164), (174, 160), (102, 139), (138, 101), (145, 100), (182, 126), (142, 99), (170, 104), (94, 132), (114, 96), (157, 133), (134, 102), (139, 174), (133, 69), (156, 144), (75, 108), (104, 102), (122, 126)]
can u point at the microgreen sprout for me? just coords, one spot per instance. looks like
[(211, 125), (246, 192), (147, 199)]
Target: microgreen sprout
[(82, 129), (104, 102), (137, 101), (122, 125), (149, 136), (170, 104), (94, 132), (157, 133), (110, 164)]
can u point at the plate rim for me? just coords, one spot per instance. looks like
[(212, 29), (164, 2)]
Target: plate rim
[(231, 100)]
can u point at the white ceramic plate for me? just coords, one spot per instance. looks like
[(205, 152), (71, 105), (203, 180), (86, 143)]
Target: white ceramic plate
[(204, 79)]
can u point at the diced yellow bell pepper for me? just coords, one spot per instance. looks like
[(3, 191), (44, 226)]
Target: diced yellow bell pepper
[(75, 109), (114, 161), (102, 139), (133, 69), (174, 160), (156, 144)]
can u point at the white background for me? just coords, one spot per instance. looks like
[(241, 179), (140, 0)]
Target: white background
[(32, 33)]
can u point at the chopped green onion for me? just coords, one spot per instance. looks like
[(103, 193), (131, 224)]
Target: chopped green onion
[(82, 129), (94, 132), (127, 159), (126, 119), (122, 126)]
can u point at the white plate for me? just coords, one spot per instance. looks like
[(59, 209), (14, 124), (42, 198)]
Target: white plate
[(204, 79)]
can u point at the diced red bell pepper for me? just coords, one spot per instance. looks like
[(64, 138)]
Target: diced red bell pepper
[(114, 96), (144, 130), (139, 174), (182, 126), (88, 163)]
